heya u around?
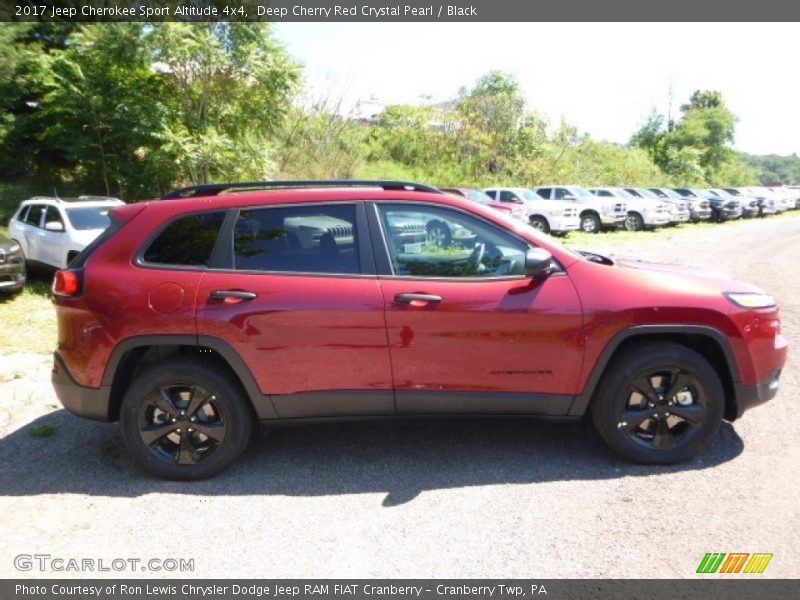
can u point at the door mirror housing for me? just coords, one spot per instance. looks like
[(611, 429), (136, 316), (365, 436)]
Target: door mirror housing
[(538, 263), (54, 226)]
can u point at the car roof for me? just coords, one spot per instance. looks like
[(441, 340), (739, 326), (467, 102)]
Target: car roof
[(72, 201)]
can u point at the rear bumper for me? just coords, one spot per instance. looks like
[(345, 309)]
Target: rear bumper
[(86, 402), (748, 396)]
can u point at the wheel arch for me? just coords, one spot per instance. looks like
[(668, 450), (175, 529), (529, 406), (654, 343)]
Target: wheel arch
[(134, 354), (707, 341)]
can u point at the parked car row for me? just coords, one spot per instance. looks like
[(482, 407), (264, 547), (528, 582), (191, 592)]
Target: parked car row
[(559, 209)]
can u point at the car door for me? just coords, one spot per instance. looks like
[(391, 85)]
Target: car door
[(52, 249), (294, 291), (33, 232), (468, 331)]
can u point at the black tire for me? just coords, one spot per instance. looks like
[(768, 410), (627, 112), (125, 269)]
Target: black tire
[(672, 421), (540, 223), (634, 222), (590, 222), (439, 234), (169, 411)]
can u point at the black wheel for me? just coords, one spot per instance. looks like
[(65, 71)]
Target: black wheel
[(634, 222), (439, 234), (185, 420), (659, 404), (540, 223), (590, 223)]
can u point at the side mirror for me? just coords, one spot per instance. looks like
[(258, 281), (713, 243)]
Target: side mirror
[(54, 226), (538, 263)]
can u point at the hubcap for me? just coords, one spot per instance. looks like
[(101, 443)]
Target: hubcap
[(588, 224), (632, 223), (663, 409), (437, 236), (182, 424)]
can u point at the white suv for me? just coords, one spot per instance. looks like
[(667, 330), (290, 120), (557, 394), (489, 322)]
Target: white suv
[(594, 213), (52, 231), (549, 217)]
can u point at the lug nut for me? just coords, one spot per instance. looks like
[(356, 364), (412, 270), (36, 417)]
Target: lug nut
[(190, 430), (174, 419), (666, 414), (178, 430), (183, 413), (651, 405), (193, 419)]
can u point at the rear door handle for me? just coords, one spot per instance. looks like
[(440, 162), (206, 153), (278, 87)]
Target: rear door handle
[(408, 298), (238, 294)]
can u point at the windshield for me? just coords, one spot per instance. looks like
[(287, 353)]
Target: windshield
[(620, 193), (89, 217), (647, 194), (478, 196), (580, 192), (702, 193)]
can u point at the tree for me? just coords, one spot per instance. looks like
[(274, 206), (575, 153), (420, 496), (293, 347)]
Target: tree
[(227, 91)]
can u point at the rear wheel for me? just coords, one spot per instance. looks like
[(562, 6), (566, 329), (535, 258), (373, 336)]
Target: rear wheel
[(185, 420), (540, 223), (659, 404), (439, 234)]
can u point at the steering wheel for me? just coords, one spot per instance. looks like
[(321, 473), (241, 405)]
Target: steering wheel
[(477, 255)]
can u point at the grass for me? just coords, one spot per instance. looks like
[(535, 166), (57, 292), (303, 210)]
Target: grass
[(43, 430), (27, 319)]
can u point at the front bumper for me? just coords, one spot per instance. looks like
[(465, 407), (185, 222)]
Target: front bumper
[(657, 219), (12, 272), (748, 396), (86, 402)]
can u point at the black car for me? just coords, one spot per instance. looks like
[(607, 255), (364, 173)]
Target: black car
[(12, 266)]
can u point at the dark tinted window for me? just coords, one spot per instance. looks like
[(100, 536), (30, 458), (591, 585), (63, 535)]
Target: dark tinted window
[(34, 214), (561, 193), (187, 241), (506, 196), (544, 193), (299, 239)]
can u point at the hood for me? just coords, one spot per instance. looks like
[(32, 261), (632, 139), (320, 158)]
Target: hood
[(687, 277)]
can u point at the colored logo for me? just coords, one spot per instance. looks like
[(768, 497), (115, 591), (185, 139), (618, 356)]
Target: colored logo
[(735, 562)]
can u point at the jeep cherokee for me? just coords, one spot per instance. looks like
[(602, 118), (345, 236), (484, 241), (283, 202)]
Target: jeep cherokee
[(194, 317)]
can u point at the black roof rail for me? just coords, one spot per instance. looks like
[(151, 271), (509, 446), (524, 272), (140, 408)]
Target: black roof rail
[(213, 189)]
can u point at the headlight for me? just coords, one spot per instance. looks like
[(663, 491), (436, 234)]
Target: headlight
[(14, 249), (750, 300)]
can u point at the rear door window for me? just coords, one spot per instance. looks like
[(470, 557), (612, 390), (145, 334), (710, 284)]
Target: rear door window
[(187, 241), (297, 239), (34, 216)]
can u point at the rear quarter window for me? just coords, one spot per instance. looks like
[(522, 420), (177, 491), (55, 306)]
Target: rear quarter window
[(187, 241)]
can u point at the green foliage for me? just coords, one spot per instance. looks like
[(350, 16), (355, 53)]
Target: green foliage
[(133, 109), (771, 168)]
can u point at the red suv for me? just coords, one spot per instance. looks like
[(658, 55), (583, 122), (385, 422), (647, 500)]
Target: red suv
[(195, 316)]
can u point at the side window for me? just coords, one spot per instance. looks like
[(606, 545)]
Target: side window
[(188, 241), (297, 239), (427, 241), (544, 193), (560, 193), (604, 193), (491, 193), (53, 216), (34, 215)]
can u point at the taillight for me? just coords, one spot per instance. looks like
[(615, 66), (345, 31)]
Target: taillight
[(66, 283)]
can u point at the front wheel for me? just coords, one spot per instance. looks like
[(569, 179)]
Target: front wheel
[(185, 420), (590, 223), (659, 404), (540, 223)]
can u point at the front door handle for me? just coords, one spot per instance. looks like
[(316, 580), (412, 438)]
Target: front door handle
[(235, 294), (417, 298)]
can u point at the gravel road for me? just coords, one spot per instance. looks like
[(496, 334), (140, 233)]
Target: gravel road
[(427, 498)]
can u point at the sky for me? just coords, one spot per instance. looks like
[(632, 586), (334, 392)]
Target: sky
[(603, 78)]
